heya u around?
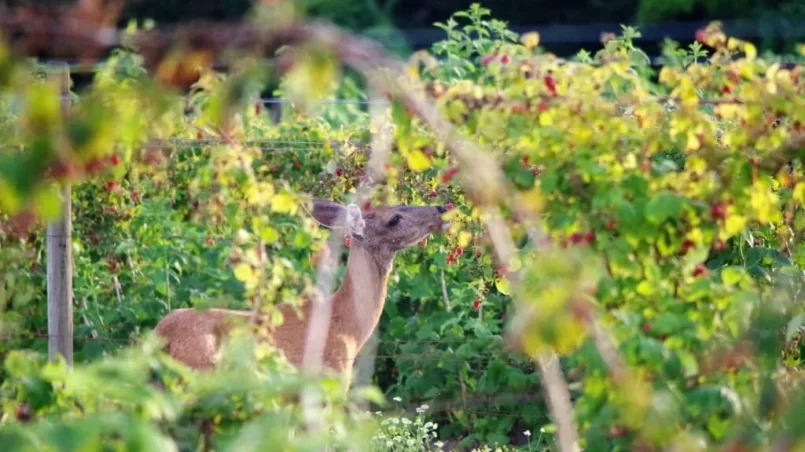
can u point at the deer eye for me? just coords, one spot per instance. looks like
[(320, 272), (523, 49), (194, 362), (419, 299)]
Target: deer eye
[(395, 220)]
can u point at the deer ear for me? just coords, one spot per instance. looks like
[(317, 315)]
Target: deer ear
[(328, 213), (355, 221)]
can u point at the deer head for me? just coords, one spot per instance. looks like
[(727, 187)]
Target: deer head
[(383, 230)]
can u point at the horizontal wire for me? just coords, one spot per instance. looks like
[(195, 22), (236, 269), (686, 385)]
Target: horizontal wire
[(384, 341)]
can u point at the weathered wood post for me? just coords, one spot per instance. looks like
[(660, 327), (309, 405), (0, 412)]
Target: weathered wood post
[(60, 255)]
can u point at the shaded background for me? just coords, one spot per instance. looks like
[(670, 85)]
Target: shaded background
[(566, 26)]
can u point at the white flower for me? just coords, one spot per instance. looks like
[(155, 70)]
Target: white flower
[(410, 442), (422, 409), (542, 430), (527, 433), (389, 443), (438, 444), (396, 421), (397, 399), (406, 421)]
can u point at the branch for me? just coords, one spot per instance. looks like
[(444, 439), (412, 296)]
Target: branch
[(444, 293)]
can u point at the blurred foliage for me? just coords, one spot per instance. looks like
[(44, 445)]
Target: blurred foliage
[(673, 204)]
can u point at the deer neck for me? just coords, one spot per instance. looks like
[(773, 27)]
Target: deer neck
[(359, 302)]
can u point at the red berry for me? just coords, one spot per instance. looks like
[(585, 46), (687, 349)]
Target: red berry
[(589, 237), (93, 166), (450, 205), (114, 160), (718, 211), (576, 238), (719, 245), (617, 431), (646, 327), (23, 413), (487, 59), (611, 224), (448, 175), (296, 164), (476, 304), (60, 170), (339, 172), (459, 251), (700, 270), (110, 185), (726, 89), (686, 246), (433, 194), (504, 59), (550, 83)]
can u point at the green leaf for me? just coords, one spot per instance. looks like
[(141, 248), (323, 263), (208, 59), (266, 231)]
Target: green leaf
[(663, 206), (269, 235)]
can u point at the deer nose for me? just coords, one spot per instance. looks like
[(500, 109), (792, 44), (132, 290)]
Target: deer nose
[(441, 209)]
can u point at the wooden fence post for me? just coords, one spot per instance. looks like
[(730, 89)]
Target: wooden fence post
[(60, 258)]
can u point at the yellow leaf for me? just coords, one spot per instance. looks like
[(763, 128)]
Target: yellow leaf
[(503, 286), (244, 273), (533, 200), (734, 224), (802, 49), (283, 203), (799, 192), (545, 119), (667, 76), (464, 238), (645, 288), (696, 236), (49, 202), (313, 76), (530, 40), (693, 141), (418, 161), (731, 111), (9, 201), (269, 235), (750, 51)]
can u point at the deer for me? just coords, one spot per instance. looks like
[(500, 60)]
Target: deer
[(194, 337)]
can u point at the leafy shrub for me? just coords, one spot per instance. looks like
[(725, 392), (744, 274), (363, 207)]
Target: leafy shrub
[(656, 219)]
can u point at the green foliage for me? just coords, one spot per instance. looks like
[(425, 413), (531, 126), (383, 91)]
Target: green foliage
[(673, 210)]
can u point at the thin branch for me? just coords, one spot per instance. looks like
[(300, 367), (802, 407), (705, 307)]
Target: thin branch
[(444, 293)]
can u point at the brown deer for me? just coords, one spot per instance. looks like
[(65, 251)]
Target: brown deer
[(195, 336)]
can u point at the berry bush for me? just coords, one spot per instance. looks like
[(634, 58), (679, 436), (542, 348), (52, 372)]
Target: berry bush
[(640, 227)]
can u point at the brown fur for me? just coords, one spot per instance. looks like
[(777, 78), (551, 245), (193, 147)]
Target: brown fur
[(194, 337)]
